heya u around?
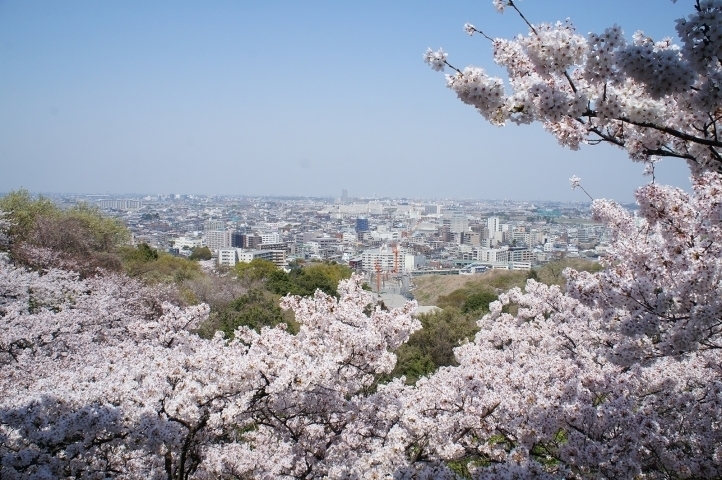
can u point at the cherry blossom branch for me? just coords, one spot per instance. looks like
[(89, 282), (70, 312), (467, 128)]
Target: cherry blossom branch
[(576, 182), (471, 29), (512, 5)]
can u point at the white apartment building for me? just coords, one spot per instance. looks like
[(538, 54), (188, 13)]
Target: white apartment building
[(272, 237), (492, 223), (385, 258), (217, 239), (227, 257), (458, 222), (214, 225), (230, 256), (120, 204), (188, 243), (385, 236), (276, 256), (349, 237), (492, 255)]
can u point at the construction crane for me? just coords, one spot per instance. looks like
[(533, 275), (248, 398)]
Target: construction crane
[(377, 267)]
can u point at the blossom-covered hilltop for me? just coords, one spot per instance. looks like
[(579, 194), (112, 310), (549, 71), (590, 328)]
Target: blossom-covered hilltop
[(614, 375)]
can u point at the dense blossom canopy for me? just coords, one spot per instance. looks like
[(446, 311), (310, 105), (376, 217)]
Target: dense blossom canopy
[(101, 378), (615, 376)]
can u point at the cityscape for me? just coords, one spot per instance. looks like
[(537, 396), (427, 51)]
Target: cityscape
[(388, 241)]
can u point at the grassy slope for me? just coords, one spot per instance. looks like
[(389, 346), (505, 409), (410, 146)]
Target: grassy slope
[(430, 287)]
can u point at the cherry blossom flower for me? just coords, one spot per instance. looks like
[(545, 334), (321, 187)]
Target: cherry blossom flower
[(436, 60), (574, 181)]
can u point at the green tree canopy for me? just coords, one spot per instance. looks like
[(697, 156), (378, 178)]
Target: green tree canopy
[(22, 210), (257, 269), (433, 346), (201, 253), (255, 309), (306, 280)]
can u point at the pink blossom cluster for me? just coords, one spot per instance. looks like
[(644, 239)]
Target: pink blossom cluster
[(654, 99), (100, 378), (475, 88), (616, 377)]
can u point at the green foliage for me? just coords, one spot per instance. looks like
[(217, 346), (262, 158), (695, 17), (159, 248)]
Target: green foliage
[(280, 283), (255, 309), (433, 346), (157, 267), (255, 270), (40, 222), (107, 233), (478, 301), (463, 466), (473, 297), (22, 211), (141, 254), (306, 280), (80, 237), (201, 253)]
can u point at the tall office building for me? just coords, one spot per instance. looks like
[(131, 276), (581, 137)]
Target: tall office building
[(214, 225), (492, 223), (344, 196), (362, 224), (217, 239), (458, 222)]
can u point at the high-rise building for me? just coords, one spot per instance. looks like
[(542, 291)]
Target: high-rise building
[(384, 259), (217, 239), (458, 222), (214, 225), (216, 235), (344, 196), (432, 209), (362, 224), (237, 239), (247, 240), (492, 223)]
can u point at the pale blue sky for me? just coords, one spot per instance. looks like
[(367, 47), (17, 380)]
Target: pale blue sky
[(285, 98)]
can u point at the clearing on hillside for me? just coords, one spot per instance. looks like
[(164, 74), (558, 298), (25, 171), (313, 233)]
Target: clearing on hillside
[(430, 287)]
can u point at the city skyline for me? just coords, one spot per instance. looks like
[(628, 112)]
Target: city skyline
[(94, 197)]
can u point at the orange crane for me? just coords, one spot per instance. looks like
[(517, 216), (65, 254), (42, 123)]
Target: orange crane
[(378, 277)]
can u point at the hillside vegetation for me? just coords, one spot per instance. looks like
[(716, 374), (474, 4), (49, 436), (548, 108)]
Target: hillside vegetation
[(438, 289), (464, 300)]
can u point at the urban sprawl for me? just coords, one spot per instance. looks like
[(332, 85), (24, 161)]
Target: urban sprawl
[(381, 238)]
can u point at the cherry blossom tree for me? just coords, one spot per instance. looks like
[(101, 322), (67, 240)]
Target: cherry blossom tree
[(619, 375), (101, 378), (652, 98), (616, 376)]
